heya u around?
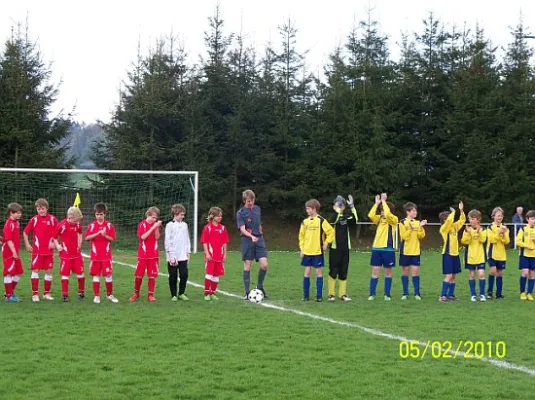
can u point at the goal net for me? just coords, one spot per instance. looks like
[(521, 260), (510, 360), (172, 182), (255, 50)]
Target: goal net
[(128, 195)]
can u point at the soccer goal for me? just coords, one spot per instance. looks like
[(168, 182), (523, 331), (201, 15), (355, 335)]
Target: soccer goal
[(128, 195)]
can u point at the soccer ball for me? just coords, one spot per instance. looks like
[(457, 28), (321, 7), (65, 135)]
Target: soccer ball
[(256, 296)]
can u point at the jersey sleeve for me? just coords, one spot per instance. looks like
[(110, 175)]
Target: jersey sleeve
[(8, 231), (111, 231), (390, 218), (240, 221), (372, 215), (30, 226), (205, 235), (329, 231), (460, 223), (226, 238), (404, 233), (90, 230), (140, 230)]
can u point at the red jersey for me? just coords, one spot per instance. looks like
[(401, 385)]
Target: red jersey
[(43, 231), (68, 233), (216, 237), (100, 246), (148, 248), (11, 232)]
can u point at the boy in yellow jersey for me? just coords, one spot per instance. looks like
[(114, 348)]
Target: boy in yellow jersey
[(451, 265), (411, 231), (525, 241), (497, 241), (315, 236), (474, 237), (383, 248)]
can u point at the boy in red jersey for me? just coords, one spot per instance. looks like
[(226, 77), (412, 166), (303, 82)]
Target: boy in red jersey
[(214, 239), (13, 268), (101, 233), (69, 232), (148, 232), (42, 226)]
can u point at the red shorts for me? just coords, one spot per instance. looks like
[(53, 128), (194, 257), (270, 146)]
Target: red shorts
[(98, 268), (42, 262), (150, 265), (71, 266), (13, 267), (215, 268)]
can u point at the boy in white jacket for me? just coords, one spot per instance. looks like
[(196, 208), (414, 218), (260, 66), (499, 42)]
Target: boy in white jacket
[(177, 250)]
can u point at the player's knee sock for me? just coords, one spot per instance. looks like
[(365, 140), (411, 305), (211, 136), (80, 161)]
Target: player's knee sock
[(343, 288), (499, 285), (319, 286), (472, 284), (96, 286), (445, 287), (213, 287), (151, 286), (404, 284), (109, 285), (523, 281), (331, 285), (491, 283), (64, 285), (8, 284), (261, 276), (48, 283), (388, 285), (207, 284), (306, 287), (531, 284), (15, 282), (35, 283), (482, 286), (373, 285), (137, 284), (451, 289), (246, 280), (416, 284), (81, 283)]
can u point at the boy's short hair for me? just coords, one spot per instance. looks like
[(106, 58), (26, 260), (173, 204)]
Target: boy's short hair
[(443, 216), (13, 208), (475, 214), (530, 214), (313, 203), (153, 211), (248, 194), (41, 203), (409, 206), (496, 210), (389, 204), (214, 212), (75, 213), (177, 209), (101, 208)]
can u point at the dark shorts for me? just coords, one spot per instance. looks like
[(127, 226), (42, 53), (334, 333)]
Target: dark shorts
[(473, 267), (313, 261), (527, 263), (385, 259), (498, 264), (407, 261), (450, 264), (252, 251)]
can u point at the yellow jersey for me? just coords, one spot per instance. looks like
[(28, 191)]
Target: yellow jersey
[(497, 242), (475, 242), (313, 233), (525, 238), (385, 237), (410, 234), (449, 230)]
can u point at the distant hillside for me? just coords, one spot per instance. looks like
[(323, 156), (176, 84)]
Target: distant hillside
[(81, 137)]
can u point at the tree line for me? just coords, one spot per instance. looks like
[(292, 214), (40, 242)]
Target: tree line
[(452, 119)]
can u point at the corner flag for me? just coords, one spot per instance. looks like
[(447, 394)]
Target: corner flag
[(77, 201)]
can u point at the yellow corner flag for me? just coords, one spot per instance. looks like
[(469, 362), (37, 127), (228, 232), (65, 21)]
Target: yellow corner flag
[(77, 201)]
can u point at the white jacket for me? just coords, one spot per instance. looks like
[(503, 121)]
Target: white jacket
[(177, 241)]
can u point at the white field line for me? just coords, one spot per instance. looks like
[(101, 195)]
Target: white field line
[(455, 354)]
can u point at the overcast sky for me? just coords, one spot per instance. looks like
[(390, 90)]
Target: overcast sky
[(93, 43)]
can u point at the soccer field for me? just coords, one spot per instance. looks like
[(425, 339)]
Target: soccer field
[(282, 349)]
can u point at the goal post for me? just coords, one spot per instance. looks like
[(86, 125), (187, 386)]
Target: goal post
[(127, 193)]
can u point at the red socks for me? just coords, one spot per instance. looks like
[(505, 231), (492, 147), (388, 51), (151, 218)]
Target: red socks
[(152, 286)]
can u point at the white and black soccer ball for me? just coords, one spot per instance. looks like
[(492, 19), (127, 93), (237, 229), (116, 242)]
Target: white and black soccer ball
[(256, 296)]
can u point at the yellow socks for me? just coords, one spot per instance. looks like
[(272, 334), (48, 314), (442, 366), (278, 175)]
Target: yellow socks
[(332, 286)]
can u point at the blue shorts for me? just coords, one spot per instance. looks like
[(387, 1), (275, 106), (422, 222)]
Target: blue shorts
[(252, 251), (385, 259), (450, 264), (407, 261), (313, 261), (498, 264), (473, 267), (527, 263)]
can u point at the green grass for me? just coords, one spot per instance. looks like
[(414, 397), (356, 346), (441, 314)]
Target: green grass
[(232, 349)]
